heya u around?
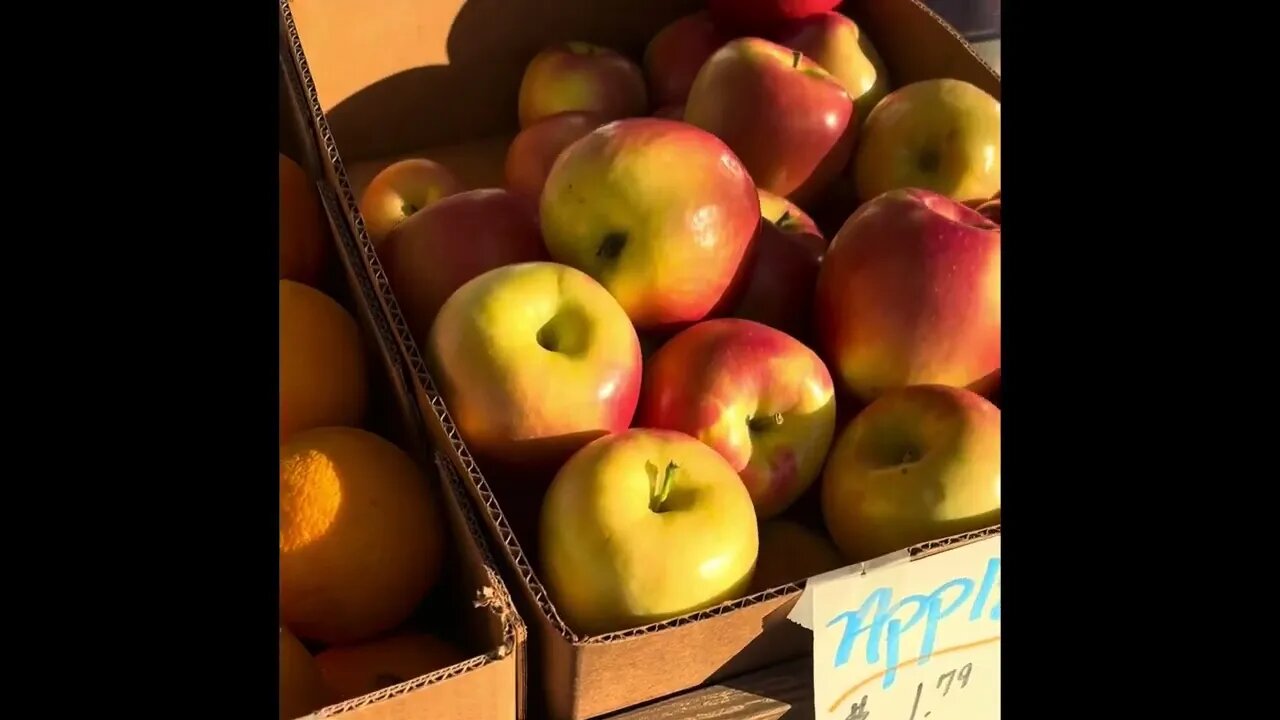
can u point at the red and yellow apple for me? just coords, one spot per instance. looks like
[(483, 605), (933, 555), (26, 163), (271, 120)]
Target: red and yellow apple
[(763, 17), (791, 552), (581, 76), (755, 395), (918, 464), (535, 149), (535, 360), (643, 526), (674, 56), (402, 189), (790, 218), (435, 251), (658, 211), (788, 120), (835, 42), (941, 135), (909, 294)]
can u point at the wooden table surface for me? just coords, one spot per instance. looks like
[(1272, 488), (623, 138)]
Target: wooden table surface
[(783, 691)]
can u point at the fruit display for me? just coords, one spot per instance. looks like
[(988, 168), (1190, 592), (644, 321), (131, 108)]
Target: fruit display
[(363, 540), (685, 378), (667, 201)]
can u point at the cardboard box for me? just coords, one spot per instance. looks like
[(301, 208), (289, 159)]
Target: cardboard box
[(439, 79), (472, 605)]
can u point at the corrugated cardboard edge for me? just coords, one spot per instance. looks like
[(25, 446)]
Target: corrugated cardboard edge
[(495, 597), (443, 427)]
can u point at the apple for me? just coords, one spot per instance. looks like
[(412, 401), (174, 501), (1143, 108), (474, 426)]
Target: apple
[(674, 56), (755, 395), (670, 112), (990, 209), (940, 135), (534, 360), (762, 17), (779, 289), (535, 149), (790, 121), (790, 218), (642, 526), (909, 294), (919, 463), (402, 189), (434, 252), (791, 552), (661, 213), (581, 76), (835, 42)]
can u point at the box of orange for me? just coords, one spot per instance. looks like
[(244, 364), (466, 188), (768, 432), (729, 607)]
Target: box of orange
[(533, 183), (391, 605)]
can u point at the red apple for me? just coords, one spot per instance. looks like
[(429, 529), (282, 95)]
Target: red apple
[(762, 17), (535, 360), (789, 121), (435, 251), (674, 56), (909, 293), (919, 463), (835, 42), (581, 76), (535, 149), (756, 395), (660, 212), (784, 272), (402, 189)]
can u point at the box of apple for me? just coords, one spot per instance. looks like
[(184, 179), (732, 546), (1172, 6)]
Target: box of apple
[(647, 329)]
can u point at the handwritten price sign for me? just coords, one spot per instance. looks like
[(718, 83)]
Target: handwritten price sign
[(910, 641)]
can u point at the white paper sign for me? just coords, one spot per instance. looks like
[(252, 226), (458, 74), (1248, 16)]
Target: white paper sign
[(908, 639)]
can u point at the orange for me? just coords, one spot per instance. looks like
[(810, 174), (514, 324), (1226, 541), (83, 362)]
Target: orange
[(361, 541), (304, 231), (356, 670), (302, 688), (322, 364), (790, 552)]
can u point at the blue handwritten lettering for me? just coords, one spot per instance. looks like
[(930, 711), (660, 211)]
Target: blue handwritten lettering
[(878, 619)]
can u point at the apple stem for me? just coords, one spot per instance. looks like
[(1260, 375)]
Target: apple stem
[(795, 58), (662, 488), (408, 209)]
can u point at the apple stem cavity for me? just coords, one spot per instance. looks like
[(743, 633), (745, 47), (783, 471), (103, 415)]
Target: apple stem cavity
[(660, 489), (611, 246), (408, 209), (795, 58)]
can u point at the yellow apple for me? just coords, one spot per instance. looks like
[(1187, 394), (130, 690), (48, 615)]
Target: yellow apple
[(919, 463), (940, 135), (402, 189), (642, 526)]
